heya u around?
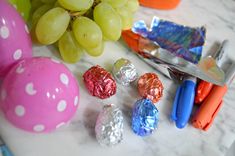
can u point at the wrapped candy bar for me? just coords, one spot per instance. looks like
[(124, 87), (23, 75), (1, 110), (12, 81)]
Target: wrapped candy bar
[(174, 50), (182, 41)]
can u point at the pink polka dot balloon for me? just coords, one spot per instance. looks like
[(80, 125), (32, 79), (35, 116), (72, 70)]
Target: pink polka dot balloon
[(39, 95), (15, 42)]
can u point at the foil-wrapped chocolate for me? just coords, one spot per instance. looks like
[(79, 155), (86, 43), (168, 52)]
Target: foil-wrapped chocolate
[(99, 82), (150, 87), (124, 71), (109, 126), (144, 117), (180, 40)]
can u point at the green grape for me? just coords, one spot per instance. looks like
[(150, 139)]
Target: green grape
[(23, 7), (57, 4), (108, 20), (126, 16), (70, 50), (97, 51), (52, 25), (35, 4), (87, 32), (49, 1), (116, 3), (132, 5), (39, 12), (76, 5)]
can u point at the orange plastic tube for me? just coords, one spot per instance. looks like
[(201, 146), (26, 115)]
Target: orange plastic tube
[(203, 89), (160, 4), (207, 112)]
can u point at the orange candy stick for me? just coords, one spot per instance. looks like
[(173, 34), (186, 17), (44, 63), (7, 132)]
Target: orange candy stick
[(204, 117), (160, 4), (203, 89)]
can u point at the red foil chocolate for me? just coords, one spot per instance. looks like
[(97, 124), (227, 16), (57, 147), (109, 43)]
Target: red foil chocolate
[(150, 86), (99, 82)]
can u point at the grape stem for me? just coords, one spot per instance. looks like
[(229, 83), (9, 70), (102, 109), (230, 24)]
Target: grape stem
[(76, 14), (81, 13)]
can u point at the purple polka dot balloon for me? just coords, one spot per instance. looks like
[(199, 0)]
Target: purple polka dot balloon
[(15, 42), (39, 95)]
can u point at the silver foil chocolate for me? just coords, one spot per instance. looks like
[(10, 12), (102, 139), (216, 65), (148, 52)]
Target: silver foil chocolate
[(124, 71), (109, 126)]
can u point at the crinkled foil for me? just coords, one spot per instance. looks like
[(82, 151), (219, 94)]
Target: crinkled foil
[(109, 126), (144, 117), (150, 86), (99, 82), (124, 71), (182, 41)]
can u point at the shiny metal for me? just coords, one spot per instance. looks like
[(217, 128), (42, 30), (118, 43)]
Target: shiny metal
[(177, 68), (180, 40), (144, 117), (124, 71), (109, 126), (230, 74), (219, 55)]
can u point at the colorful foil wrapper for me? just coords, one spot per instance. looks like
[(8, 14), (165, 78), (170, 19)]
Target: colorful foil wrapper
[(109, 126), (124, 71), (150, 86), (144, 117), (99, 82), (182, 41)]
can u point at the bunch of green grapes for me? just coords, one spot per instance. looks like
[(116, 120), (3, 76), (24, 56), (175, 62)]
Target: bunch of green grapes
[(76, 26)]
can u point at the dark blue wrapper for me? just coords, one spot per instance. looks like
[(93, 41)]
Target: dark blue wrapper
[(182, 41), (144, 117)]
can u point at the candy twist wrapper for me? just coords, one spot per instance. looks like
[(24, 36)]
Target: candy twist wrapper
[(99, 82), (150, 86), (182, 41), (109, 126)]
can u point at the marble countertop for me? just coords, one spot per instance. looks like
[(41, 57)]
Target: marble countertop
[(78, 137)]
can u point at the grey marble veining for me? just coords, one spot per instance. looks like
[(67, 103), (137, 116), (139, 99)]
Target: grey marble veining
[(78, 137)]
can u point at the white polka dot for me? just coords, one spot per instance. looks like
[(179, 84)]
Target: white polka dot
[(64, 79), (17, 54), (19, 69), (4, 32), (3, 94), (39, 128), (61, 106), (29, 88), (20, 110), (60, 125), (76, 101), (26, 28)]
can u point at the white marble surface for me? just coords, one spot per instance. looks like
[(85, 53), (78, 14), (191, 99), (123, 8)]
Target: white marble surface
[(78, 138)]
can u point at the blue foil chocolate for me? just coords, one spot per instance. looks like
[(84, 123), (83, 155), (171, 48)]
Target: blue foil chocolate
[(182, 41), (144, 117)]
